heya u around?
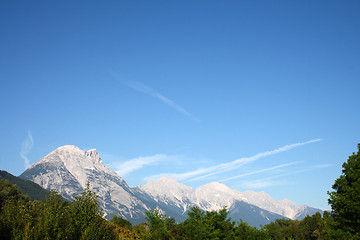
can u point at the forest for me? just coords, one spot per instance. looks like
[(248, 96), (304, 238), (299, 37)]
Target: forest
[(56, 218)]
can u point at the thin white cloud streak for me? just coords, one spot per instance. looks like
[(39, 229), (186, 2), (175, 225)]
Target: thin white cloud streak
[(26, 147), (149, 91), (140, 162), (320, 166), (140, 87), (262, 183), (225, 167), (307, 169), (269, 182), (259, 171), (178, 176)]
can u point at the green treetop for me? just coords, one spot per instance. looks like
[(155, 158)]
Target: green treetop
[(345, 199)]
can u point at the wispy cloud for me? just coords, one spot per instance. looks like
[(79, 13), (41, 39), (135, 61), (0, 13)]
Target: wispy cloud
[(26, 147), (260, 171), (305, 169), (270, 181), (140, 87), (225, 167), (179, 176), (263, 183), (140, 162), (320, 166)]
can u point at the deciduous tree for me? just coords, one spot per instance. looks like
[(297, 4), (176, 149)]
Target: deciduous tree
[(345, 199)]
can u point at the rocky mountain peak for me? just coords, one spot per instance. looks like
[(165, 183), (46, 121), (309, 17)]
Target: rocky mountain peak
[(68, 148), (214, 196), (167, 188), (166, 182), (68, 169), (214, 187)]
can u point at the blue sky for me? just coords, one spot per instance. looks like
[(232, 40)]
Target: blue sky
[(258, 95)]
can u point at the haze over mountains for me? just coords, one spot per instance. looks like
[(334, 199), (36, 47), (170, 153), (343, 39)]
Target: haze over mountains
[(68, 169)]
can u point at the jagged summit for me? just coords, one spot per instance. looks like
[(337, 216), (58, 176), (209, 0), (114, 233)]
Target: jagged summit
[(70, 153), (92, 153), (75, 161)]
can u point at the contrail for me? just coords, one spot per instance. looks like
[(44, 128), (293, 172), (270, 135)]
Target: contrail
[(225, 167), (140, 87), (202, 173), (26, 147), (259, 171)]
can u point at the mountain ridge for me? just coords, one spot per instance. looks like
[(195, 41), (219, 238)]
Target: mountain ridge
[(68, 168), (33, 190)]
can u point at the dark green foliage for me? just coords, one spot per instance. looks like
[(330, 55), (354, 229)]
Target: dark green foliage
[(245, 232), (53, 223), (201, 225), (33, 190), (86, 218), (83, 211), (312, 227), (54, 219), (208, 225), (345, 199), (283, 229), (159, 225), (331, 233), (10, 191)]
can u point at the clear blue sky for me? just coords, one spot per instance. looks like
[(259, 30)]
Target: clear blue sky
[(196, 90)]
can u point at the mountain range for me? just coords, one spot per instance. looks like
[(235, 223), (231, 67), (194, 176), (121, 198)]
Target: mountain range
[(68, 169)]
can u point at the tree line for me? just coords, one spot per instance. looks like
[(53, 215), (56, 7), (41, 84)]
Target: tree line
[(56, 218)]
